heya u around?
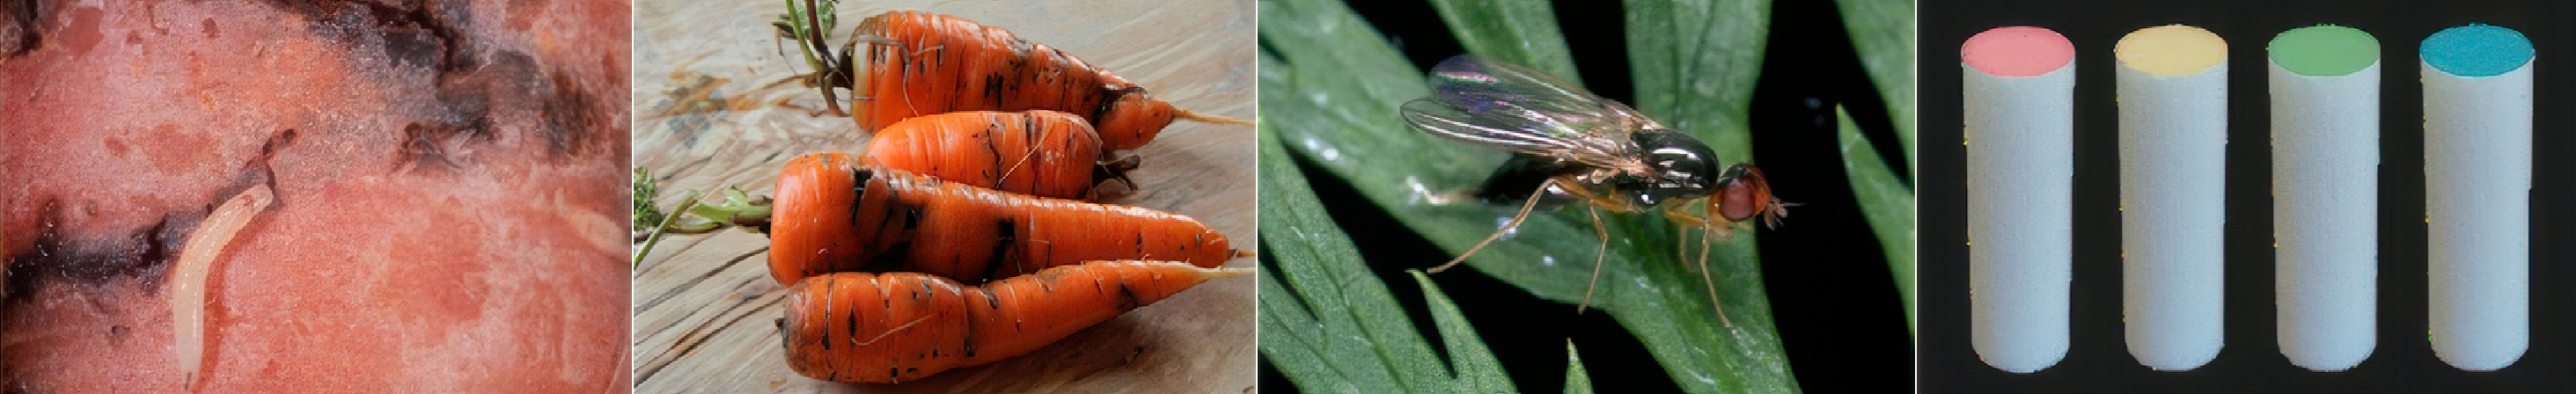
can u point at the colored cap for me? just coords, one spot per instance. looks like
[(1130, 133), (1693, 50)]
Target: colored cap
[(2020, 51), (2171, 50), (2324, 50), (2476, 50)]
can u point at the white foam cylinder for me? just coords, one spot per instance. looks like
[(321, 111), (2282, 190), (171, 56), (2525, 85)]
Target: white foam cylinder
[(2021, 166), (2173, 173), (2477, 181), (2325, 202)]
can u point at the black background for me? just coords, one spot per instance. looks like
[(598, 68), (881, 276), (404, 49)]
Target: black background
[(2098, 361), (1836, 306)]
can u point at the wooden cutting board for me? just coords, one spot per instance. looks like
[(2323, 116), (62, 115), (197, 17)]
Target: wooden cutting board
[(704, 307)]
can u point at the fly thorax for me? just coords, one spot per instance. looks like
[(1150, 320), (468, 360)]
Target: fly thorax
[(1682, 168)]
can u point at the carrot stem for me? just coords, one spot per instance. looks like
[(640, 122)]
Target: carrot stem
[(689, 200)]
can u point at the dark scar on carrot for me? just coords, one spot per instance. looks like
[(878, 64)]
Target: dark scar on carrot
[(1127, 300), (1007, 240), (573, 121), (142, 253), (462, 116), (59, 257), (421, 149), (257, 171), (19, 31), (413, 33), (471, 80)]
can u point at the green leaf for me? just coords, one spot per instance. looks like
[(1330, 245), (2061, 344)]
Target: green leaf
[(1330, 326), (1520, 32), (794, 24), (1886, 202), (801, 24), (1465, 348), (687, 200), (1576, 382), (1694, 63), (645, 190), (1883, 32), (1331, 94)]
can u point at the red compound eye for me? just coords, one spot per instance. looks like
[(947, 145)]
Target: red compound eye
[(1744, 196)]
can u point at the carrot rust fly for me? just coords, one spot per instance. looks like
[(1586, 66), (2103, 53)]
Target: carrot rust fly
[(1571, 146)]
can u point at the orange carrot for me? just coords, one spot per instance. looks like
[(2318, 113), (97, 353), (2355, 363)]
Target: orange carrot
[(894, 327), (836, 213), (920, 64), (1039, 152)]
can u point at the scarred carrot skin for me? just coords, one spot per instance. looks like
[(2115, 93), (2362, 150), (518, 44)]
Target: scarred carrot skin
[(928, 63), (1039, 152), (895, 327), (835, 213)]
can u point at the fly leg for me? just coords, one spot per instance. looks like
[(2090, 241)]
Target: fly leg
[(1597, 255), (1507, 227), (1596, 201), (1713, 230)]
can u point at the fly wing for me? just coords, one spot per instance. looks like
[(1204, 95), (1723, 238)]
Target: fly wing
[(1518, 109)]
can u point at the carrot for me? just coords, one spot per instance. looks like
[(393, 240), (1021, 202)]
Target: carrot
[(1039, 152), (835, 213), (920, 64), (894, 327)]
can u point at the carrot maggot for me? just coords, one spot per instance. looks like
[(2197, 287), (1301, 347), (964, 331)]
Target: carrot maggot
[(894, 327), (837, 212), (188, 277), (920, 64), (1038, 152)]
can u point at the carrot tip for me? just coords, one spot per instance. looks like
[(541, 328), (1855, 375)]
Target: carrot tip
[(1194, 116), (1221, 272)]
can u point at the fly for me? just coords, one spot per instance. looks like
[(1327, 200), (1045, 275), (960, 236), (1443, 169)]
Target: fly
[(1571, 146)]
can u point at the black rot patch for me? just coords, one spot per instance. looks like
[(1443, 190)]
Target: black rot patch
[(19, 32), (413, 33), (56, 256), (573, 121)]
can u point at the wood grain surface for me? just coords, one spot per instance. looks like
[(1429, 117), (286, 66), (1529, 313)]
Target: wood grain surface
[(704, 306)]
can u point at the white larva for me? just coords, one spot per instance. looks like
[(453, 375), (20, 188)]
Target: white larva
[(188, 277)]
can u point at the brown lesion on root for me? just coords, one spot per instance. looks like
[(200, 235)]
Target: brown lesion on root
[(471, 79), (413, 32), (573, 122), (59, 257), (430, 147), (19, 31), (146, 253), (257, 172)]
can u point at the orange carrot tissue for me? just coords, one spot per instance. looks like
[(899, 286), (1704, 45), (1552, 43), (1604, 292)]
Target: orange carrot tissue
[(839, 213), (896, 327), (1039, 152), (920, 64)]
